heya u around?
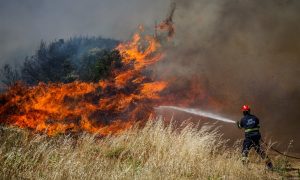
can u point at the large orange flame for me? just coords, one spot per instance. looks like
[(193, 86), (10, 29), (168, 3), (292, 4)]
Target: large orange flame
[(105, 107)]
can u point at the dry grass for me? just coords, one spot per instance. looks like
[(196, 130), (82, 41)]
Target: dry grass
[(154, 152)]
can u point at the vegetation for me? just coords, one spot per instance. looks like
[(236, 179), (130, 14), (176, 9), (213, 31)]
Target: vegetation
[(153, 152), (9, 75), (79, 58)]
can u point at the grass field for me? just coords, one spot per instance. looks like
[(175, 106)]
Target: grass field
[(153, 152)]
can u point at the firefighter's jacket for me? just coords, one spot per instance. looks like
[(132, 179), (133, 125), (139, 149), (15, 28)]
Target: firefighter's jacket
[(251, 125)]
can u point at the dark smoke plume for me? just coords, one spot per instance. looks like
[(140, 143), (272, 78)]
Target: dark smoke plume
[(244, 52)]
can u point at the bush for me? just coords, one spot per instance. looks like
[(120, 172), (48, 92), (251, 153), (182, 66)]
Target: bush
[(9, 76), (97, 64), (67, 61)]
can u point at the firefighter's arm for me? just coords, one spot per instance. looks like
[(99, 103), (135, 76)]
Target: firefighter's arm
[(238, 123)]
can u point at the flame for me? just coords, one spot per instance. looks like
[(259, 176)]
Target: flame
[(109, 106), (104, 107)]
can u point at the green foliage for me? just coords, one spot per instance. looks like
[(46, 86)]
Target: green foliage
[(9, 76), (79, 58), (50, 64), (97, 64), (281, 164)]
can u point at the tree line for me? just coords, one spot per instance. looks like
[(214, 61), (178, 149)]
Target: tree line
[(80, 58)]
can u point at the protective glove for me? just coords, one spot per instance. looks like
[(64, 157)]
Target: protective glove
[(238, 124)]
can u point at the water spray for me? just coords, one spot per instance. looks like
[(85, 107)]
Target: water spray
[(199, 113)]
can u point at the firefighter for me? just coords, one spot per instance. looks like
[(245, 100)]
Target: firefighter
[(252, 136)]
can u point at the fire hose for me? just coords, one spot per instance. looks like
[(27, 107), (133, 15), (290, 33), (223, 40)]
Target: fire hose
[(279, 152), (219, 118)]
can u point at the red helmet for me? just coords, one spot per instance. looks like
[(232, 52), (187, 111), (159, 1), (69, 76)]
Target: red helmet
[(246, 108)]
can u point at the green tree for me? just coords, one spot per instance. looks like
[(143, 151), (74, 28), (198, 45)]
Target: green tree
[(97, 64), (9, 76), (66, 61)]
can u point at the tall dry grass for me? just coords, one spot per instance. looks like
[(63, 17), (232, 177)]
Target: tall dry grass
[(153, 152)]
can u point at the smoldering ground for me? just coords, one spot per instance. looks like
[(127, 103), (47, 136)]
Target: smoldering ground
[(244, 52)]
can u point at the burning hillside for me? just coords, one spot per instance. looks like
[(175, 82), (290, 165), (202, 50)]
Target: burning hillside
[(108, 106), (129, 94)]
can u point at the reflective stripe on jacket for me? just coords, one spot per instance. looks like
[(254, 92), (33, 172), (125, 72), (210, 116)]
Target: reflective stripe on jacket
[(251, 130)]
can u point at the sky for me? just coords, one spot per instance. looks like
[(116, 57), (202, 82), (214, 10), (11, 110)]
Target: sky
[(24, 23)]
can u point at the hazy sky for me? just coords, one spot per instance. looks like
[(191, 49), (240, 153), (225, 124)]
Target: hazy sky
[(24, 23)]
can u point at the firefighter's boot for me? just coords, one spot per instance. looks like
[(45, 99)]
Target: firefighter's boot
[(245, 160), (269, 165)]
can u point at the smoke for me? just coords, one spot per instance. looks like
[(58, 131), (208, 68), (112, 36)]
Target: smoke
[(244, 52), (25, 23)]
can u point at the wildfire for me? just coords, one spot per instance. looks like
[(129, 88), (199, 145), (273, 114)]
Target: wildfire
[(105, 107)]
